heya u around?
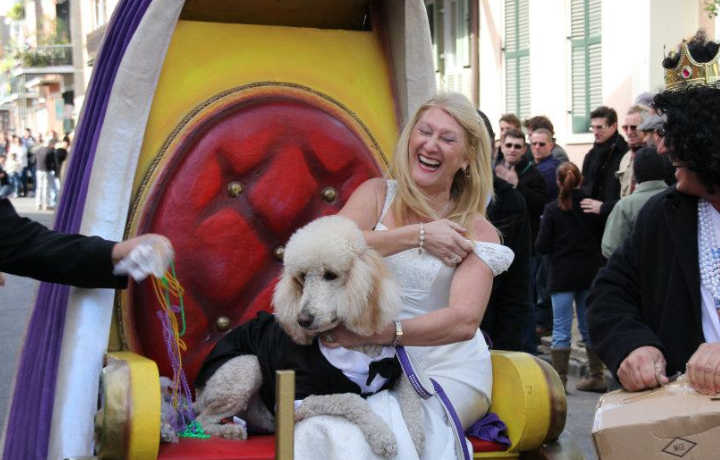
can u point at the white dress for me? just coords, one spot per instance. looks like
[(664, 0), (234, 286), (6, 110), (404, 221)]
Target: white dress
[(463, 369)]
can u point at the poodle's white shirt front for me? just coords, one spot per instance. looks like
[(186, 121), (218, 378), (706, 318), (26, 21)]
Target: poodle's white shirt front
[(355, 365)]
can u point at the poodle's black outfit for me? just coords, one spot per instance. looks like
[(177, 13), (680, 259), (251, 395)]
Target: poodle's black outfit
[(314, 375)]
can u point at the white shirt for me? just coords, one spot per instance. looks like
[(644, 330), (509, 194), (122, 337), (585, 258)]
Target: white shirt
[(710, 317)]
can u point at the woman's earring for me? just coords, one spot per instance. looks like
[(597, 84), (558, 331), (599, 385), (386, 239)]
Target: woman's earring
[(467, 171)]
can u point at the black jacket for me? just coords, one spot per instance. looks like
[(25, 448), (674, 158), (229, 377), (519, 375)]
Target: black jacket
[(509, 306), (572, 239), (28, 248), (263, 337), (532, 187), (649, 292), (598, 170)]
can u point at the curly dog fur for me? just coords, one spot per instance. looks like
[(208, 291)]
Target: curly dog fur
[(330, 277)]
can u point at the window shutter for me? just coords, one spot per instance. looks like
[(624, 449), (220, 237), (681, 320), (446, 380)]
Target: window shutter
[(585, 61), (517, 57)]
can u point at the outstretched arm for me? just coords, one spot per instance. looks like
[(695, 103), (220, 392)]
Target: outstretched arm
[(28, 248)]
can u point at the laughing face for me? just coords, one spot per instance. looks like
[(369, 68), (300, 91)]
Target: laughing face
[(437, 150)]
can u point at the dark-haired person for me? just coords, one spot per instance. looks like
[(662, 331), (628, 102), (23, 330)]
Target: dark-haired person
[(507, 121), (543, 122), (649, 172), (601, 162), (571, 238), (653, 310), (514, 167), (546, 164), (508, 313)]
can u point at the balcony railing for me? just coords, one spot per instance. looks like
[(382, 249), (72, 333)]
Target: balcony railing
[(45, 56)]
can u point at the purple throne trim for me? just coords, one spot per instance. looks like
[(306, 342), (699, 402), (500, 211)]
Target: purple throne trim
[(29, 421)]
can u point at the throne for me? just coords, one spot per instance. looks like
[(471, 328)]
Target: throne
[(278, 127)]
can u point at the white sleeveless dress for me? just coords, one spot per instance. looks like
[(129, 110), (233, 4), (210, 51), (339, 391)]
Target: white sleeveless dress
[(463, 369)]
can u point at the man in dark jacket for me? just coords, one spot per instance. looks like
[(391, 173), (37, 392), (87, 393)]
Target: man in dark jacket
[(655, 308), (509, 314), (601, 163), (28, 248), (515, 168)]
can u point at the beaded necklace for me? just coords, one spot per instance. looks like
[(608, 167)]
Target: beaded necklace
[(709, 250)]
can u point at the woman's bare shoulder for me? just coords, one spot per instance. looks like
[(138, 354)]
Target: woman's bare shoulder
[(485, 231), (366, 202)]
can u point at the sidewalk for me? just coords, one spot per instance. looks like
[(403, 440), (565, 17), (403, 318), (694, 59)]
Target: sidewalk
[(26, 205)]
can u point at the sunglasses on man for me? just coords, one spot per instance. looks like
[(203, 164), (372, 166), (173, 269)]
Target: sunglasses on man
[(541, 144), (629, 128), (510, 145)]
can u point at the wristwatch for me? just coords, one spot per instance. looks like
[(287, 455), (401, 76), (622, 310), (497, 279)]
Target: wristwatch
[(398, 334)]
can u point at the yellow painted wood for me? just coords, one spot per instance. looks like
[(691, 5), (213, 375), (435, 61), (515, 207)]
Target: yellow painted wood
[(521, 400), (144, 427), (285, 415), (348, 66)]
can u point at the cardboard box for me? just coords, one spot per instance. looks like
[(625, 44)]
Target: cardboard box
[(665, 424)]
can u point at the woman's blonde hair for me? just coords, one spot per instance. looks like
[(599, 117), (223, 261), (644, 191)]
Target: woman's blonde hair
[(471, 189)]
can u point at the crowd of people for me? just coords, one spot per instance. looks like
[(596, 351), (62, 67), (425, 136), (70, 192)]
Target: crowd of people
[(576, 218), (33, 166)]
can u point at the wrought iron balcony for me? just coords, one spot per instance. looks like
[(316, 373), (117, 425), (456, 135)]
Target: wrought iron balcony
[(45, 56)]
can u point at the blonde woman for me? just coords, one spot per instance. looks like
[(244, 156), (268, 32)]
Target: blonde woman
[(430, 225)]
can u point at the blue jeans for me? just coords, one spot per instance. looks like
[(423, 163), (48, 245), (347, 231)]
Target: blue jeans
[(562, 303)]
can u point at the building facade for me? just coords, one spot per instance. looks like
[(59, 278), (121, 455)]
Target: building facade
[(559, 58), (36, 85)]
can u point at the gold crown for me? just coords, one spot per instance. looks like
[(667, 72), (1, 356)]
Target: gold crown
[(689, 72)]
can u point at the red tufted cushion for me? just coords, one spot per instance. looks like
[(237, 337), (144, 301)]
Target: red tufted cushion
[(480, 445), (284, 151), (255, 448)]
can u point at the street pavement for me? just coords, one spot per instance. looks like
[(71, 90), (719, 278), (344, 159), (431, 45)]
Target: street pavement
[(17, 299)]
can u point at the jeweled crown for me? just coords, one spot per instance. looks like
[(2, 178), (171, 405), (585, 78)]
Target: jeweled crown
[(689, 72)]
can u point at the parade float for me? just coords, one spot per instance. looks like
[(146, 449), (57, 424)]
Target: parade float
[(224, 125)]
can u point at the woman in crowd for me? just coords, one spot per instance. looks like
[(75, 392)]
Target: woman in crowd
[(13, 168), (572, 239), (430, 225), (18, 149)]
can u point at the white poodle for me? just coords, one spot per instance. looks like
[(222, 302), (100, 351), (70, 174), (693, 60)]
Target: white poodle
[(330, 277)]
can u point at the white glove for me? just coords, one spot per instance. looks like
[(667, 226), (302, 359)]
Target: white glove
[(151, 256)]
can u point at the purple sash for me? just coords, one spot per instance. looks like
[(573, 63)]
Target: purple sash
[(425, 393)]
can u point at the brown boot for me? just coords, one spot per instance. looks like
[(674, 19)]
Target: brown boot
[(595, 381), (560, 358)]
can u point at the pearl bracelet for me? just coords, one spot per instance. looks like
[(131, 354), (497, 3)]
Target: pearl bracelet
[(421, 239)]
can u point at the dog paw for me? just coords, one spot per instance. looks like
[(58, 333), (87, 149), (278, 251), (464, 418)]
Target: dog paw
[(384, 444), (212, 427), (227, 431), (309, 407)]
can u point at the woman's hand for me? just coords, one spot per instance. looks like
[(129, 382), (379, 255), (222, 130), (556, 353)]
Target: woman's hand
[(508, 174), (444, 239)]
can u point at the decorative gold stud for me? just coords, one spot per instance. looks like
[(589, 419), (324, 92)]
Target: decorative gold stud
[(279, 252), (234, 189), (222, 323), (329, 194)]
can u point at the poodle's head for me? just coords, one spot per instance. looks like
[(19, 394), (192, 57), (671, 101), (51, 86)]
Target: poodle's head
[(331, 277)]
